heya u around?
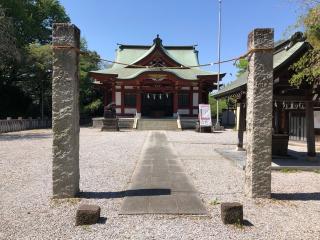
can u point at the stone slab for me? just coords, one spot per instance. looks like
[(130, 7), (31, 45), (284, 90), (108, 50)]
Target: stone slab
[(162, 204), (135, 205), (188, 203), (166, 187), (294, 160)]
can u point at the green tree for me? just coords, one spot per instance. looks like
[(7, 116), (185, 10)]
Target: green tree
[(8, 49), (242, 66), (26, 25), (90, 97), (36, 79), (33, 19), (307, 69), (213, 105)]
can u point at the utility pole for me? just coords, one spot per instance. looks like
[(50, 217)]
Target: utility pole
[(219, 58)]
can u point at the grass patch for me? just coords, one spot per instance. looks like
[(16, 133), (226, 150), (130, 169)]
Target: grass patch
[(214, 202), (86, 228), (55, 202), (317, 171), (239, 224), (288, 170)]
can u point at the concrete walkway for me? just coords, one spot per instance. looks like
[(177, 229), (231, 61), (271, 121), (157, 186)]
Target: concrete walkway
[(295, 160), (159, 185)]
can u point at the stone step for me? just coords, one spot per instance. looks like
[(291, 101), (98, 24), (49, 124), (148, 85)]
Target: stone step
[(126, 123), (158, 124)]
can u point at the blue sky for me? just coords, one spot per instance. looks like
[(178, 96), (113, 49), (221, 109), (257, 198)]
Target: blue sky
[(104, 23)]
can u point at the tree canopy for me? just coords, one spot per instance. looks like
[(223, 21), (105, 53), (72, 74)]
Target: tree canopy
[(307, 69), (242, 66), (26, 59)]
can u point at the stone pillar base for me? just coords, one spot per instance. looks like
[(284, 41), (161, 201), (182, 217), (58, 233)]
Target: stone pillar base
[(240, 149), (87, 214), (232, 213), (110, 125), (218, 128)]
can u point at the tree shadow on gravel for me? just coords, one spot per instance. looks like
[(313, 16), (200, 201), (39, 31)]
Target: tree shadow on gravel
[(297, 196), (127, 193), (13, 137)]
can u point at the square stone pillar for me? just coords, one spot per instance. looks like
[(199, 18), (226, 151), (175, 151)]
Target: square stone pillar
[(259, 114), (65, 110)]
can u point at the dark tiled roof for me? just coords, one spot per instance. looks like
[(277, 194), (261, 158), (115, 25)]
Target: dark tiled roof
[(284, 51)]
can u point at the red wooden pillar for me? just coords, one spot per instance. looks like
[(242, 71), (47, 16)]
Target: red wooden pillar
[(206, 97), (175, 102), (113, 89), (105, 100), (122, 99), (191, 101), (200, 94), (138, 102)]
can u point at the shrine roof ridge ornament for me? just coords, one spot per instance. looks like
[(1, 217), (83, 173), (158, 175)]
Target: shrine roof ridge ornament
[(157, 41)]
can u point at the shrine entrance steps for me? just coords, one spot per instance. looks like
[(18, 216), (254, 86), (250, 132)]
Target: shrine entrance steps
[(159, 184), (169, 124)]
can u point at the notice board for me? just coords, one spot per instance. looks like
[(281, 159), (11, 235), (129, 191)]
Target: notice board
[(205, 115)]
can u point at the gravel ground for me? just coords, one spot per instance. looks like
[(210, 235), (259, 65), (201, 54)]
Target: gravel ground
[(107, 161)]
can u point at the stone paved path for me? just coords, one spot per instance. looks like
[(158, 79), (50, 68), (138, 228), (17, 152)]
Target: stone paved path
[(159, 184)]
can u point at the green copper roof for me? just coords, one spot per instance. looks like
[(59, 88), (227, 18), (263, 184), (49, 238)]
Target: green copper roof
[(131, 54), (285, 51), (129, 73), (281, 57), (234, 86)]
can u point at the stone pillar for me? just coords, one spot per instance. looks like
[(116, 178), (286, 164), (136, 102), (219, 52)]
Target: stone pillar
[(241, 125), (259, 114), (65, 110), (310, 131)]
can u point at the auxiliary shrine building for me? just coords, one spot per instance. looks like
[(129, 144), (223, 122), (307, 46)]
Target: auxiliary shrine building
[(155, 81)]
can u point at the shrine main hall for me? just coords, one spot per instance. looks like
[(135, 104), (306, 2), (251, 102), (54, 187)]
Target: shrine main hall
[(155, 81)]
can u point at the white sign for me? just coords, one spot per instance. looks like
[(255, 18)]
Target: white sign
[(316, 119), (205, 115)]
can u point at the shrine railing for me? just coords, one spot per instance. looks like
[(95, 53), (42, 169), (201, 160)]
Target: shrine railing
[(13, 125)]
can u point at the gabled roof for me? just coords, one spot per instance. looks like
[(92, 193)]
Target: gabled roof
[(132, 54), (284, 52)]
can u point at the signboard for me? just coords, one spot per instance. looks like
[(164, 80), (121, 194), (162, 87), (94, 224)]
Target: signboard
[(316, 119), (205, 115)]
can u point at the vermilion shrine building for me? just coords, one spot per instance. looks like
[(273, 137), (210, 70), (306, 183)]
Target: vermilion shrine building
[(156, 81)]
